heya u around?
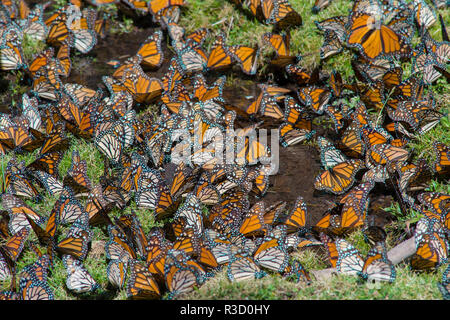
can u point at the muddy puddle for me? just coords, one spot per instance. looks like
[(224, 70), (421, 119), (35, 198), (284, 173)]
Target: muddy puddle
[(299, 166)]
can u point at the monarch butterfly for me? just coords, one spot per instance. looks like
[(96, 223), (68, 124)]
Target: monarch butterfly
[(378, 173), (81, 95), (172, 76), (35, 290), (76, 177), (281, 44), (110, 144), (63, 56), (151, 52), (414, 113), (56, 142), (335, 27), (265, 104), (355, 205), (15, 205), (295, 220), (381, 70), (428, 225), (429, 253), (37, 271), (410, 89), (82, 28), (412, 176), (250, 150), (192, 58), (78, 278), (41, 60), (76, 242), (101, 26), (141, 284), (206, 192), (17, 181), (53, 186), (296, 269), (372, 95), (19, 214), (11, 55), (376, 267), (182, 262), (32, 20), (442, 163), (261, 182), (440, 50), (30, 112), (15, 244), (47, 235), (203, 93), (156, 6), (329, 154), (118, 246), (315, 97), (337, 115), (191, 210), (373, 38), (80, 123), (18, 137), (220, 56), (268, 106), (243, 268), (246, 57), (387, 154), (300, 76), (283, 15), (58, 31), (253, 221), (297, 125), (331, 45), (375, 136), (437, 202), (424, 15), (70, 209), (116, 272), (330, 247), (179, 280), (139, 7), (97, 207), (132, 226), (272, 256), (339, 178), (335, 83), (143, 88), (157, 249), (431, 245)]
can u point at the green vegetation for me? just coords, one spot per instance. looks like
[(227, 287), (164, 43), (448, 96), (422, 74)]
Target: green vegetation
[(31, 47)]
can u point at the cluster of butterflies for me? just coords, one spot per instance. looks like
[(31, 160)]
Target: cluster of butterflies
[(172, 166), (322, 4), (279, 13)]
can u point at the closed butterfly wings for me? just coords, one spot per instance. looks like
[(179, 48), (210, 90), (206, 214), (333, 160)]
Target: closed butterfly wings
[(376, 266), (339, 174)]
